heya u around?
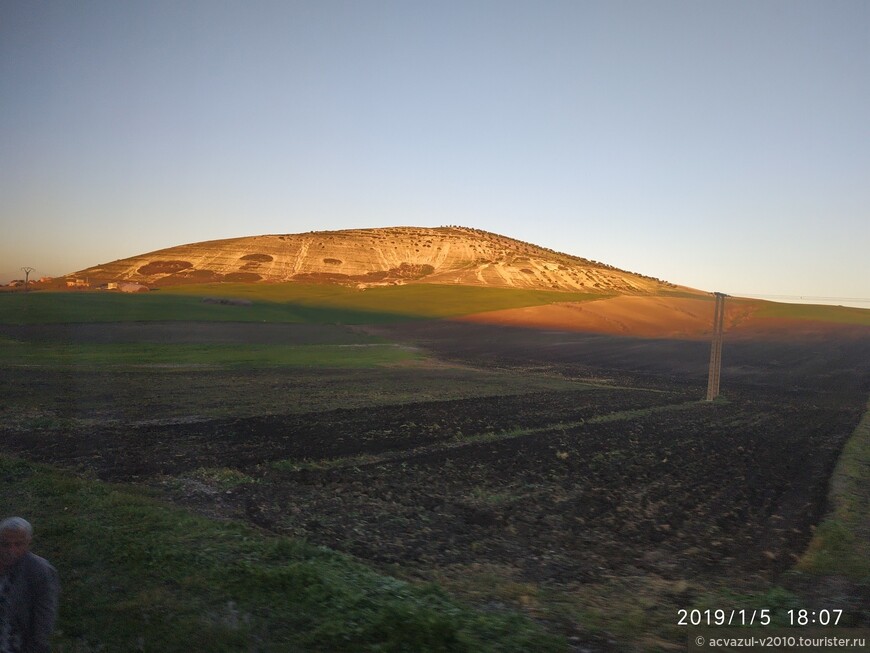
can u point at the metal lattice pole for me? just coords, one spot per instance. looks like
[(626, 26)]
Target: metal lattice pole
[(716, 348), (26, 270)]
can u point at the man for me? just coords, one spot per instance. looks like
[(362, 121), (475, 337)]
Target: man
[(29, 589)]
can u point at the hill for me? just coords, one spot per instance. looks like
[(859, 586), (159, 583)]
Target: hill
[(443, 272), (372, 257)]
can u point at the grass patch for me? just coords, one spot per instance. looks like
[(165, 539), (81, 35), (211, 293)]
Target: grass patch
[(841, 543), (86, 307), (776, 600), (293, 465), (221, 478), (142, 576), (183, 355), (620, 614), (288, 302), (821, 313)]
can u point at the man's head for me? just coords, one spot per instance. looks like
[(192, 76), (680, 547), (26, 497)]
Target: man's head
[(15, 537)]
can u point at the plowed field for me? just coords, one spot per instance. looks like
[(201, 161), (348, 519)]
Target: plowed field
[(616, 472)]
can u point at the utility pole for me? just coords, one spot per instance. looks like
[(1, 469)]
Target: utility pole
[(716, 348), (26, 270)]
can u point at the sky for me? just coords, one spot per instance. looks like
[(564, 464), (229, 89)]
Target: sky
[(719, 145)]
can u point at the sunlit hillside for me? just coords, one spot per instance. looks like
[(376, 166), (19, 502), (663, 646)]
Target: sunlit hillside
[(366, 258)]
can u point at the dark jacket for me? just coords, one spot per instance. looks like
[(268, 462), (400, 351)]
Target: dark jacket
[(33, 600)]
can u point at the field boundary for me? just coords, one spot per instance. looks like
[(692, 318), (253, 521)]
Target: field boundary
[(459, 442), (841, 543)]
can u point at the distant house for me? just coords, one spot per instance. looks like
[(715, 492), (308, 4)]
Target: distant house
[(77, 283)]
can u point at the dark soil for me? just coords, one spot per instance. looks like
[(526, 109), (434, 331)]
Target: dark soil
[(140, 452), (636, 478), (817, 363), (723, 489)]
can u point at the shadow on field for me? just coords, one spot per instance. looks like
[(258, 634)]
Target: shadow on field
[(613, 490)]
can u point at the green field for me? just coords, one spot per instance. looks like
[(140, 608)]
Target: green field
[(290, 302), (90, 307), (838, 314), (13, 353)]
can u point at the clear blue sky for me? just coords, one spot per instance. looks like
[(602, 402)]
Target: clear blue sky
[(721, 145)]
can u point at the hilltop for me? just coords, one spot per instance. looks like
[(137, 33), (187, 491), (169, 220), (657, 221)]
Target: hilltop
[(373, 257)]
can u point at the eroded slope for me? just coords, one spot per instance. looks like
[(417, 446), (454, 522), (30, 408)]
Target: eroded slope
[(366, 257)]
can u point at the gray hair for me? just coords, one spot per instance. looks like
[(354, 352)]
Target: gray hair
[(16, 524)]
